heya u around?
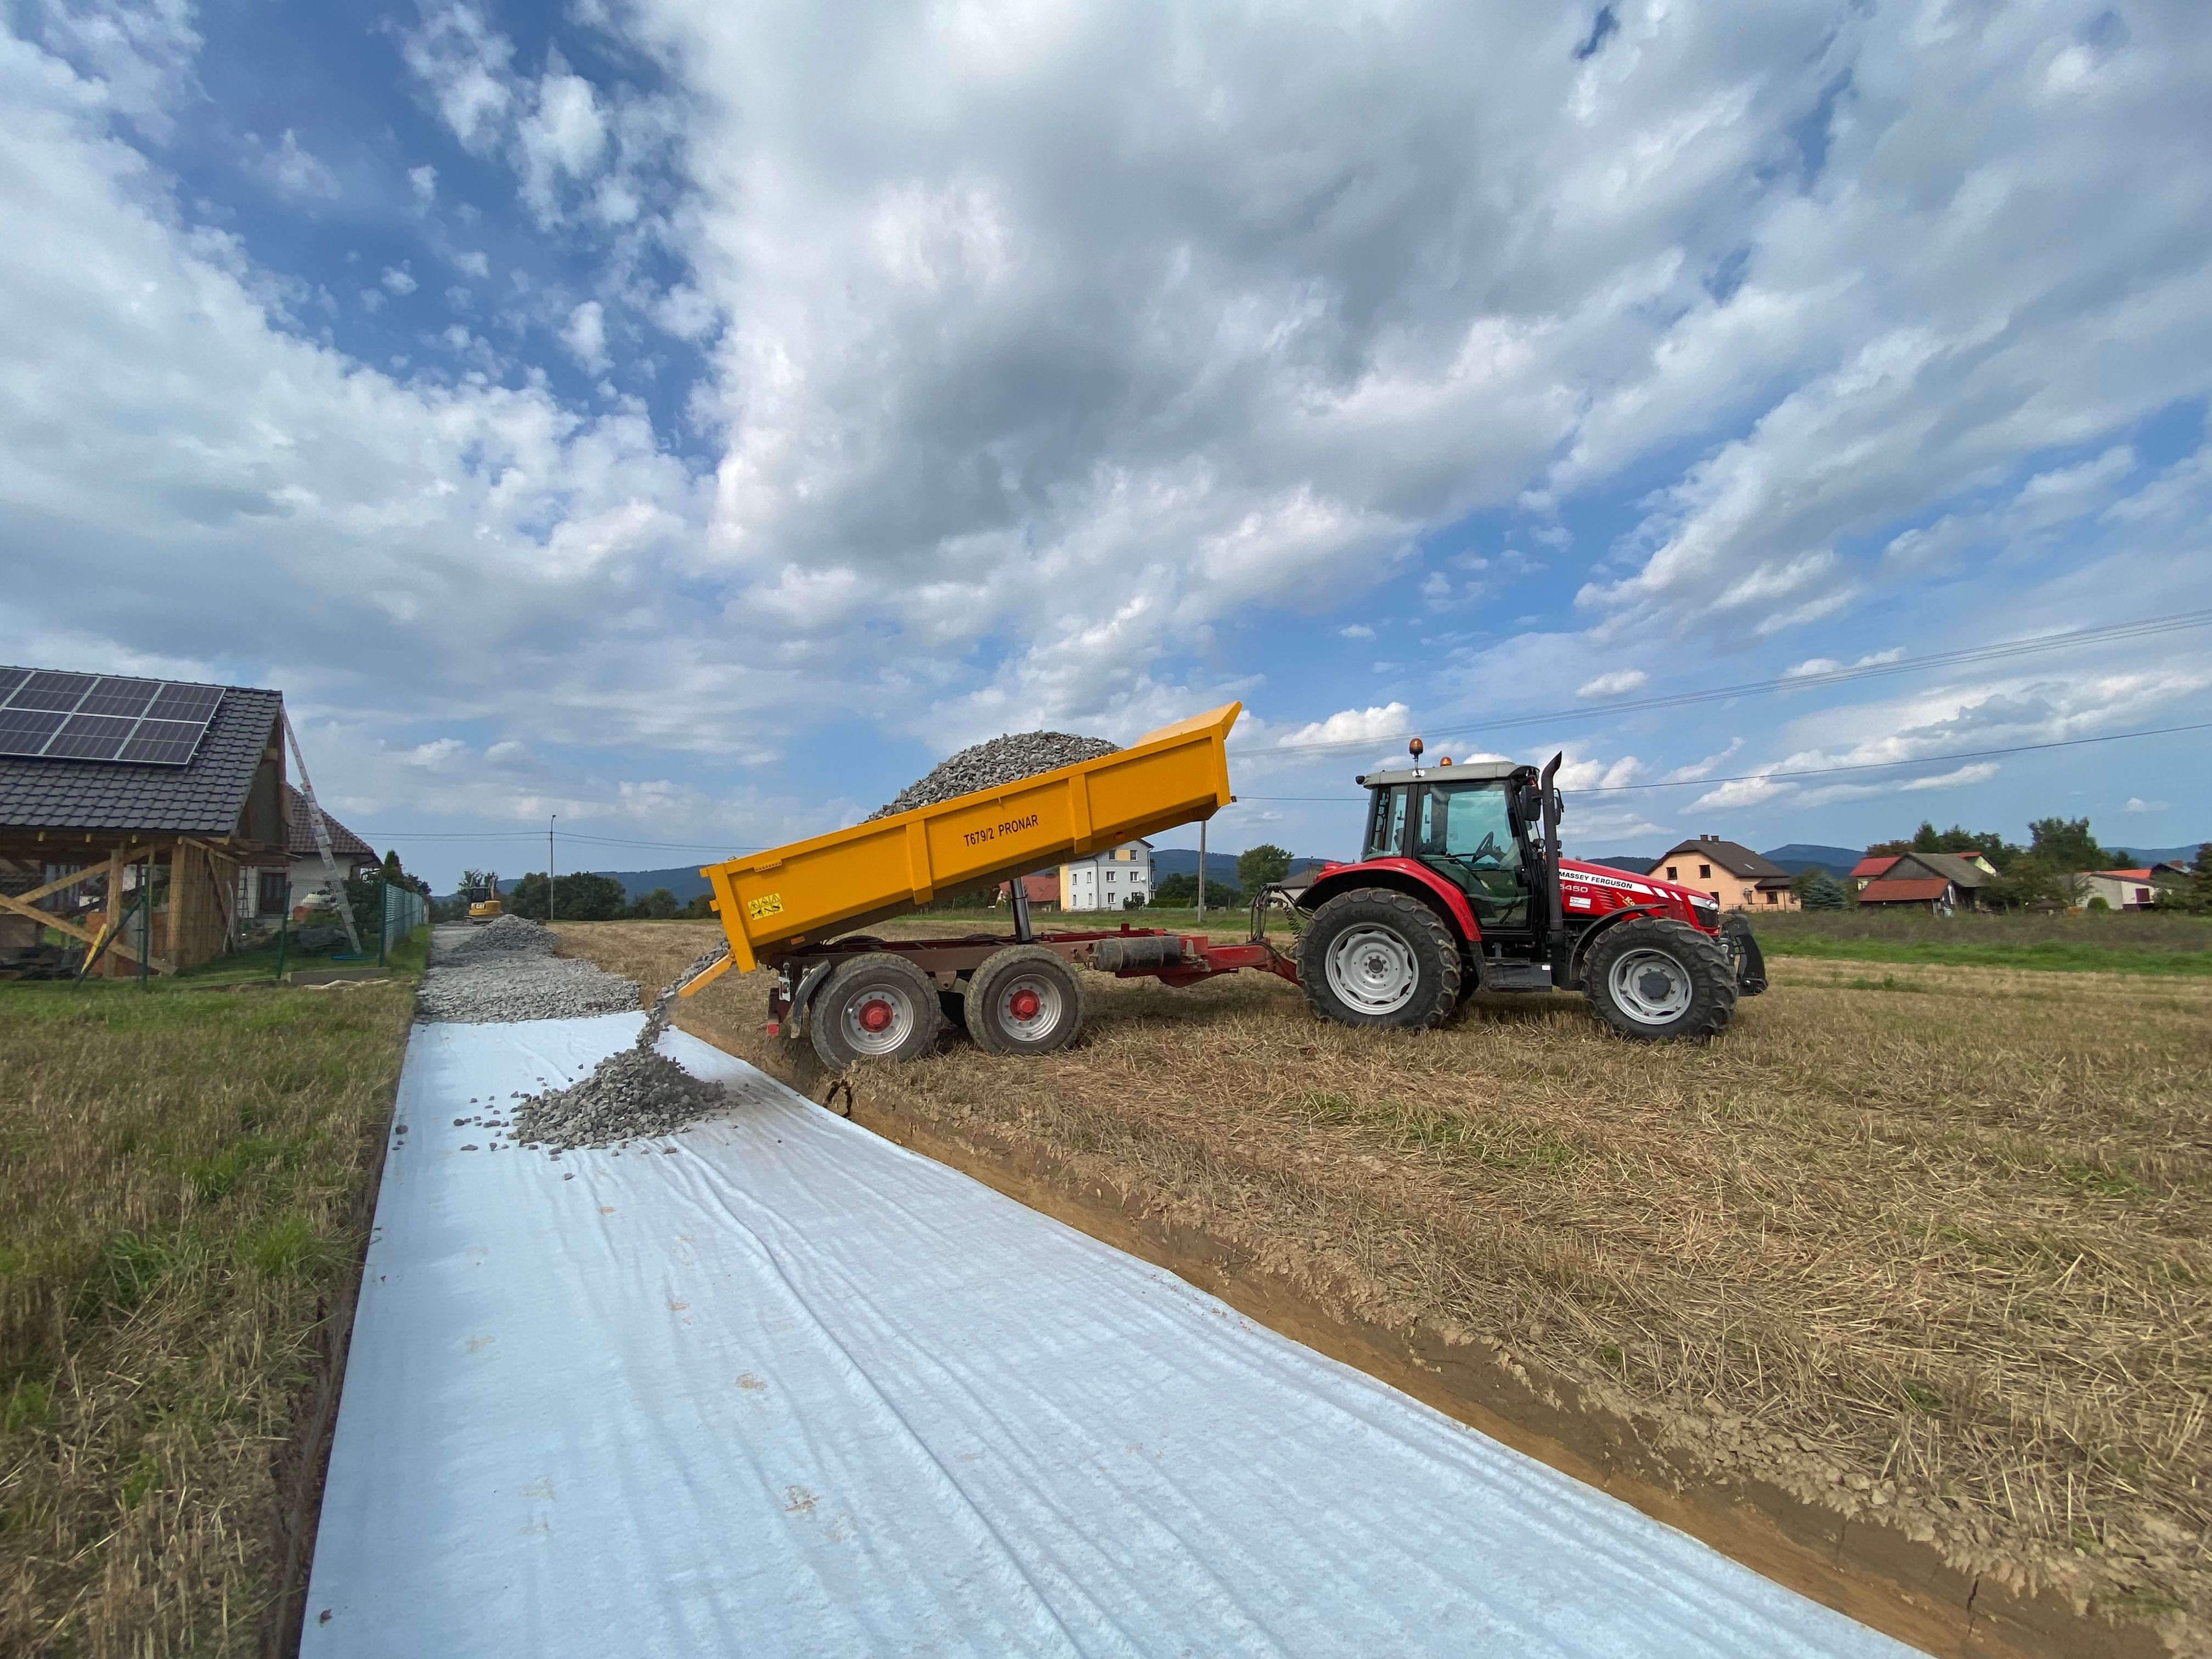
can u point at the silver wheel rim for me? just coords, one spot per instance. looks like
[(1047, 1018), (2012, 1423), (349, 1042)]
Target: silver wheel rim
[(896, 1028), (1371, 969), (1651, 986), (1043, 1018)]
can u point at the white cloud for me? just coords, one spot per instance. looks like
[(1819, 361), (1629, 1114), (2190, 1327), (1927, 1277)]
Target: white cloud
[(397, 280), (1812, 665), (423, 181), (293, 172), (585, 336), (1355, 631), (561, 140), (1619, 682), (2137, 804), (1352, 725)]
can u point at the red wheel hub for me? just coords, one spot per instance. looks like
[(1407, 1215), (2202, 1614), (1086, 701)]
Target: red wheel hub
[(1024, 1004), (875, 1016)]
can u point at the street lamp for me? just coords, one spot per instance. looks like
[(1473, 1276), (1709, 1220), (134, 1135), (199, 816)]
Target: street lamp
[(550, 822)]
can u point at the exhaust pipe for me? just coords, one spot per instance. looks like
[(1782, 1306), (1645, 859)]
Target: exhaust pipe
[(1556, 917)]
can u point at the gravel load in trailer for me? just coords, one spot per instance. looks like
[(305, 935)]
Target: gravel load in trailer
[(991, 765)]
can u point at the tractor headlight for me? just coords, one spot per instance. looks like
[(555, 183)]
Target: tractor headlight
[(1707, 910)]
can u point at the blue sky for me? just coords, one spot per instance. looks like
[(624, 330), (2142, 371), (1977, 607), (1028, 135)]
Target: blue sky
[(695, 420)]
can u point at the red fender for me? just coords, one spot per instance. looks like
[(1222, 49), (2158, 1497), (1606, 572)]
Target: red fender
[(1449, 898)]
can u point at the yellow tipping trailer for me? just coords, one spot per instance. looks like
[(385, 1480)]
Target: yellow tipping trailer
[(774, 902)]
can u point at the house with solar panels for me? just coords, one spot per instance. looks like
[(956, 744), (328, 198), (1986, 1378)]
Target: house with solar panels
[(121, 795)]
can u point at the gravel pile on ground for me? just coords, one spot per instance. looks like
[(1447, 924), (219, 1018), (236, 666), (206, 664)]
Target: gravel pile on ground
[(507, 971), (1000, 760), (632, 1094)]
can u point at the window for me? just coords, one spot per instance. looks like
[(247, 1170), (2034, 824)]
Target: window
[(1705, 873), (1671, 875), (1773, 897), (1109, 875), (271, 898), (1386, 829)]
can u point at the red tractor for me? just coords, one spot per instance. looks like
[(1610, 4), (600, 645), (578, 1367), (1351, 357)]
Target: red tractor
[(1460, 887)]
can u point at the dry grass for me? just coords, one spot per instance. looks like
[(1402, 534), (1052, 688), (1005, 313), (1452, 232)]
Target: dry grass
[(182, 1185), (1929, 1245)]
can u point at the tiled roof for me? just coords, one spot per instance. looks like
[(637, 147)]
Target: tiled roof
[(202, 799), (1919, 891), (2124, 875), (300, 842), (1952, 866), (1731, 855), (1871, 867)]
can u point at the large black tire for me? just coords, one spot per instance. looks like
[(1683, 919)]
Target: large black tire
[(1653, 979), (878, 1006), (1024, 999), (1376, 957)]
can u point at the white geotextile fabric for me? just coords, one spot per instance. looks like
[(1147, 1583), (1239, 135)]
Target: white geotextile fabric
[(793, 1390)]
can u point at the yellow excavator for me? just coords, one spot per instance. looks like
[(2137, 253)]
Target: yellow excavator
[(483, 895)]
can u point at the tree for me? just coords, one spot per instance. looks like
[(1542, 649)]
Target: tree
[(1180, 892), (1824, 892), (701, 908), (1261, 865), (2067, 846), (658, 905), (1929, 838), (2033, 879), (580, 897), (1134, 902)]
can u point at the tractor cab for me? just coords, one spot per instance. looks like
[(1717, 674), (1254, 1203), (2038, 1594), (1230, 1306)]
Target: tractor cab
[(1476, 826)]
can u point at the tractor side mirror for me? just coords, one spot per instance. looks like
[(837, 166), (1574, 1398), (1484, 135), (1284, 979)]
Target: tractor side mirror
[(1532, 804)]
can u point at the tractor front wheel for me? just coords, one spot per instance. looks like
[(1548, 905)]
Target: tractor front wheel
[(1651, 979), (1376, 956)]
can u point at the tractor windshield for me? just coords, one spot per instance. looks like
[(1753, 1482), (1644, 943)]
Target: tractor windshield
[(1465, 831)]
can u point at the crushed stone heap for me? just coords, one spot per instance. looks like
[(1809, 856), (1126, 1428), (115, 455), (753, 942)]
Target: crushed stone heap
[(507, 971), (988, 765), (632, 1094)]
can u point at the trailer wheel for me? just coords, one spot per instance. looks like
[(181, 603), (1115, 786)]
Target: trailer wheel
[(1375, 957), (1024, 999), (1651, 979), (878, 1006)]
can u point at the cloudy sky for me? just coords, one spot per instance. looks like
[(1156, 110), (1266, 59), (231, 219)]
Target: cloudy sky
[(697, 418)]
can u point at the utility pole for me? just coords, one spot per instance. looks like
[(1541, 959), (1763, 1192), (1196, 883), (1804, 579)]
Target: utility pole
[(550, 822), (1201, 872)]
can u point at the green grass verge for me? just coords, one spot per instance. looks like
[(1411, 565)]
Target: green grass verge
[(2047, 955), (184, 1178)]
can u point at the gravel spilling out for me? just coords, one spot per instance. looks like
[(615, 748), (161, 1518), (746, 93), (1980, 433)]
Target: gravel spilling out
[(1000, 760)]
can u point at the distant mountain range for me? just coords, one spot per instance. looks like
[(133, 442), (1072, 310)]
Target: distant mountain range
[(1220, 865), (2148, 856)]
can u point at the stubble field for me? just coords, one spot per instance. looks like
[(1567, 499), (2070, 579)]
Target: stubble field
[(1925, 1247)]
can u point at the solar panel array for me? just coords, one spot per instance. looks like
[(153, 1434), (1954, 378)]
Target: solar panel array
[(103, 717)]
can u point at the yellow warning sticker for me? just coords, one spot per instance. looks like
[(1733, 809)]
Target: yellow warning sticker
[(767, 905)]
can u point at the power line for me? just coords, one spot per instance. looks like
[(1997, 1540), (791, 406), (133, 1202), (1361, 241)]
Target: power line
[(2031, 645), (1824, 771)]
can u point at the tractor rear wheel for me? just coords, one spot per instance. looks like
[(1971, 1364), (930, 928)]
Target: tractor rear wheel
[(1376, 956), (878, 1006), (1651, 979), (1024, 999)]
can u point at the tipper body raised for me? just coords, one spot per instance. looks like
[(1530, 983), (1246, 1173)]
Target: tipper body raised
[(848, 878)]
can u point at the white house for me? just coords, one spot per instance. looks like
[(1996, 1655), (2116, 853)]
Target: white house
[(2124, 889), (1108, 881)]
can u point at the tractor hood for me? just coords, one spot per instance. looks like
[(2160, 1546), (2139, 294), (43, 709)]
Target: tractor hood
[(1603, 888)]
